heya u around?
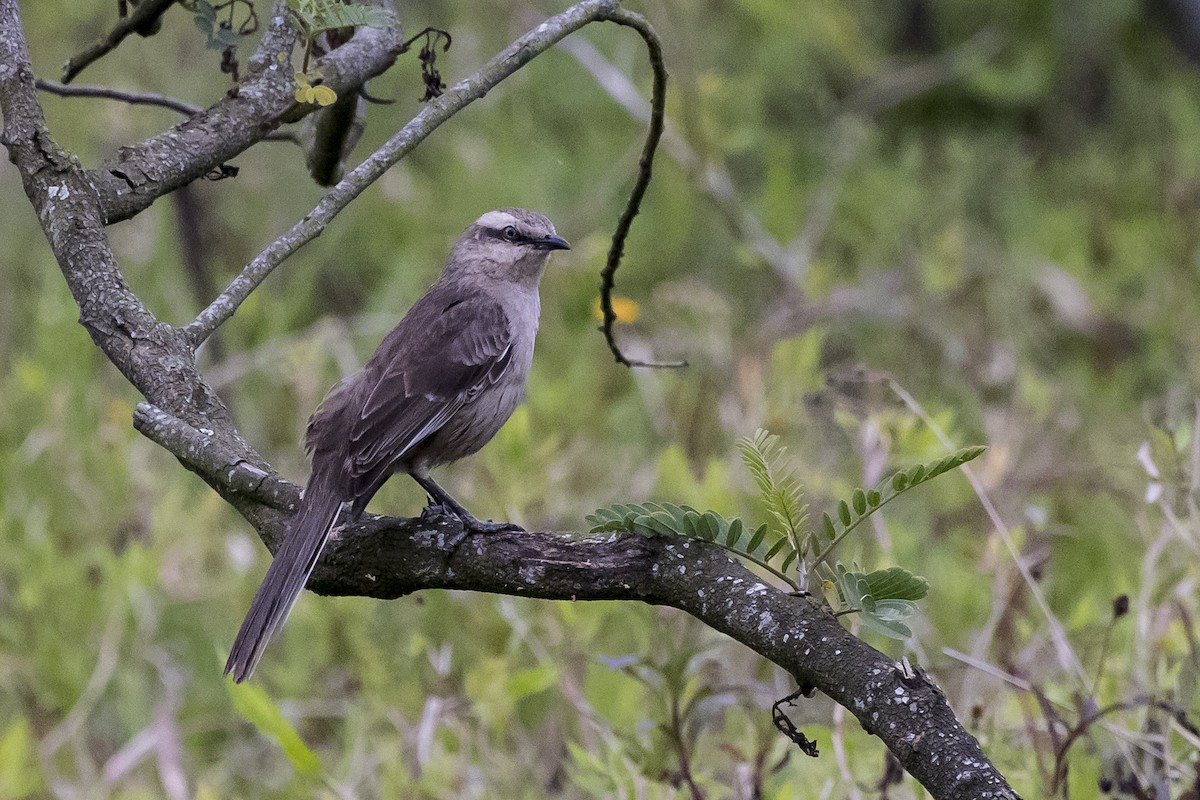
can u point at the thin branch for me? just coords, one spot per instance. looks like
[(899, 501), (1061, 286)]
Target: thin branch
[(132, 98), (143, 16), (437, 111), (658, 99), (139, 99), (150, 354)]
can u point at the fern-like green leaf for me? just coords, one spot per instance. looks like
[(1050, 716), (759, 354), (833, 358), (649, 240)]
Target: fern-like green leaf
[(778, 486), (668, 519), (827, 524), (864, 504), (322, 15), (895, 583), (780, 543), (779, 490)]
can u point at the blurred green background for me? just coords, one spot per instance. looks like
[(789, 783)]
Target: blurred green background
[(995, 204)]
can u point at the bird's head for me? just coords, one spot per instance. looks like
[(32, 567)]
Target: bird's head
[(510, 244)]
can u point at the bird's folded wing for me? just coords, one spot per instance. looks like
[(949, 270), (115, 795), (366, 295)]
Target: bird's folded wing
[(444, 352)]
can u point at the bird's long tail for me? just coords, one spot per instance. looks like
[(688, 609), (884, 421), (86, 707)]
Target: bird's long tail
[(286, 577)]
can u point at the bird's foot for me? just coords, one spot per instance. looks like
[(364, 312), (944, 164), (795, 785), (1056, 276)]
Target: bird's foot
[(472, 525), (487, 526), (439, 512), (436, 512)]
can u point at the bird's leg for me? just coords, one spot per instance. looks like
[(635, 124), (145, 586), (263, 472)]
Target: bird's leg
[(439, 496)]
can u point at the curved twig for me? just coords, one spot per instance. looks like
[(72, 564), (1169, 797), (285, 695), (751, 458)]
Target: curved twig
[(658, 101)]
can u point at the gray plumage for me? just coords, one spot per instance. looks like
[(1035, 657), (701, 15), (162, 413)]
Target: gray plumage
[(438, 388)]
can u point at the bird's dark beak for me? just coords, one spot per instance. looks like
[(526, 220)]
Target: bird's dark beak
[(553, 243)]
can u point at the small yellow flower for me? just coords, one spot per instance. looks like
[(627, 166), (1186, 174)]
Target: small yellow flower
[(626, 309)]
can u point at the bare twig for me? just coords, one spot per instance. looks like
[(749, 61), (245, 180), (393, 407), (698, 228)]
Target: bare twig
[(658, 99), (679, 739), (145, 14), (132, 98), (139, 99)]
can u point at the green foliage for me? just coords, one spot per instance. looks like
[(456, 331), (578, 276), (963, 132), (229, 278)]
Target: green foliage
[(885, 598), (864, 503), (316, 16), (781, 494)]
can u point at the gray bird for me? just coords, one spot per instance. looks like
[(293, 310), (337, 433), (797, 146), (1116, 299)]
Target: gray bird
[(437, 389)]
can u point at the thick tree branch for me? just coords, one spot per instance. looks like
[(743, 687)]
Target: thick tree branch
[(387, 558), (152, 355)]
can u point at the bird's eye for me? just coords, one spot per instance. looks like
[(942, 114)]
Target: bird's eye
[(510, 233)]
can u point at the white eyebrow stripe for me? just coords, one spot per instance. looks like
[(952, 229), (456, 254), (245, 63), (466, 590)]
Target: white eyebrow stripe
[(496, 220)]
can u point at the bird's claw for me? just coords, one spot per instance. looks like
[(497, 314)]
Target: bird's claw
[(487, 526), (435, 512)]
